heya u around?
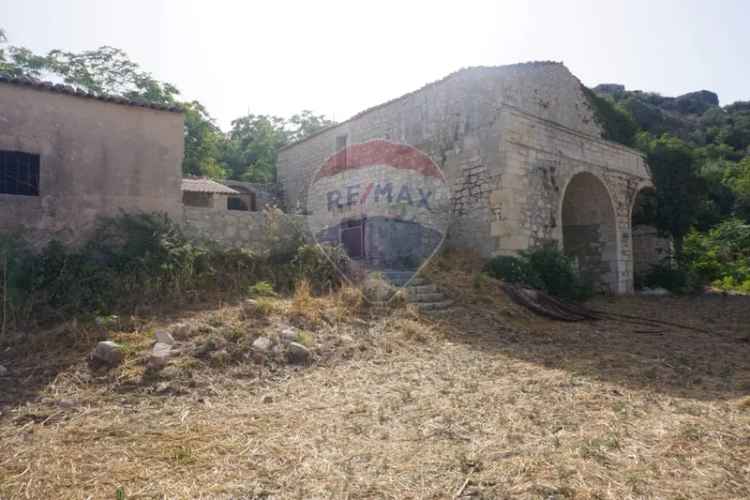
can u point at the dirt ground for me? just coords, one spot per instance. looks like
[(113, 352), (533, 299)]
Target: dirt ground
[(480, 401)]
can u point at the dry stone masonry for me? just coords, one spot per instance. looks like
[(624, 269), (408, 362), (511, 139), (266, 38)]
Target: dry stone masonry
[(523, 154)]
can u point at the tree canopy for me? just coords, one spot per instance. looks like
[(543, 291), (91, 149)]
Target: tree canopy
[(247, 152)]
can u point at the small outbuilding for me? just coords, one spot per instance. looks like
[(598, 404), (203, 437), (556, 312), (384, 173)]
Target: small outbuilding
[(68, 157)]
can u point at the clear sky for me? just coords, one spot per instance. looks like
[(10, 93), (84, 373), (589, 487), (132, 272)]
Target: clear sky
[(337, 58)]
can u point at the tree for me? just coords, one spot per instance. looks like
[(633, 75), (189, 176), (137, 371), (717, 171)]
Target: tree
[(204, 143), (306, 123), (252, 145), (106, 70), (679, 189)]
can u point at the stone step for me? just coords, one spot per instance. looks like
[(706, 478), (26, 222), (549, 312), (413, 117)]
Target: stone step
[(426, 298), (409, 282), (434, 306), (414, 290)]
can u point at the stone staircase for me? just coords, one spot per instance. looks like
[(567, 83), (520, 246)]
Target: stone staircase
[(419, 291)]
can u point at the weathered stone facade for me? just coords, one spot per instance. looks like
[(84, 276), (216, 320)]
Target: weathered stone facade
[(95, 158), (523, 155), (649, 249)]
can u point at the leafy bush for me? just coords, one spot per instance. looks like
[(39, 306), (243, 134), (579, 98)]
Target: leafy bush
[(545, 268), (512, 269), (144, 259), (720, 256)]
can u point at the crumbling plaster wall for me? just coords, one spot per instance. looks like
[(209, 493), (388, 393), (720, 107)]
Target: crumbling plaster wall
[(96, 158)]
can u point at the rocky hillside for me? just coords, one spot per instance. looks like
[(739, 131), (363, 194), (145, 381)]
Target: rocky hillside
[(695, 117)]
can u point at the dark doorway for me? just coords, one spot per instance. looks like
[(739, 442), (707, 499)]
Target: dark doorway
[(353, 238)]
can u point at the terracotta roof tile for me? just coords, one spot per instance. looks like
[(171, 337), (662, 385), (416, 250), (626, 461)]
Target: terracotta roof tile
[(198, 185)]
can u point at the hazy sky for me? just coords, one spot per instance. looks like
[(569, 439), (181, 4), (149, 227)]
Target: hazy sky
[(337, 58)]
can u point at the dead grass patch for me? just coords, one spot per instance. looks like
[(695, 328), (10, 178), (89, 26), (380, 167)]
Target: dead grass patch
[(479, 398)]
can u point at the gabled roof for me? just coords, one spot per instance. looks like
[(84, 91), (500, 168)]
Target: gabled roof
[(199, 185), (59, 88), (462, 71)]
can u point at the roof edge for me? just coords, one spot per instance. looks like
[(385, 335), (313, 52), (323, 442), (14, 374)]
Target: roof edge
[(59, 88), (446, 78)]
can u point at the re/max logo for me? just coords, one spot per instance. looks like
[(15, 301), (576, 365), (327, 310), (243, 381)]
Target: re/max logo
[(355, 195)]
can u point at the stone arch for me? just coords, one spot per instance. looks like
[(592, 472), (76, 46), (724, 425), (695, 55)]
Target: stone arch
[(589, 230)]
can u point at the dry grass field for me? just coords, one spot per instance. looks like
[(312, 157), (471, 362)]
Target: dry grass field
[(480, 401)]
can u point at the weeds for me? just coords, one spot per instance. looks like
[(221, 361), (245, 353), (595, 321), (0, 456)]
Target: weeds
[(138, 260)]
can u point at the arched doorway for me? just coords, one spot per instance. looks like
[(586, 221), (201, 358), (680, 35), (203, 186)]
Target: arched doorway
[(649, 247), (589, 231)]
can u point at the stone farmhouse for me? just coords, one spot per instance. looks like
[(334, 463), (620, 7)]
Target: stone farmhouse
[(519, 145), (524, 157), (68, 157)]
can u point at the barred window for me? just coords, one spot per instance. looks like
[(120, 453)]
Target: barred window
[(19, 173)]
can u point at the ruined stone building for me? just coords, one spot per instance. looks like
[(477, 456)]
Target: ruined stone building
[(68, 157), (524, 157)]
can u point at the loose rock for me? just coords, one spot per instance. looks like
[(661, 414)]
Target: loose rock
[(108, 353), (160, 355), (262, 344), (164, 337), (288, 335), (3, 371), (297, 353)]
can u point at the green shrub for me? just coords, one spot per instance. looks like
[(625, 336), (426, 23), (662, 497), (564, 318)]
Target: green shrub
[(262, 289), (720, 256), (138, 260), (513, 269), (545, 268)]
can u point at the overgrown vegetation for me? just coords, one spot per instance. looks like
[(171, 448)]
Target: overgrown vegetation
[(699, 155), (545, 268), (617, 123), (136, 261)]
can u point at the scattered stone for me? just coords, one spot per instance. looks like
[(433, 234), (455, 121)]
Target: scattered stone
[(67, 403), (262, 344), (160, 355), (163, 387), (249, 309), (267, 399), (346, 339), (107, 353), (164, 337), (297, 353), (658, 292), (288, 334), (3, 371)]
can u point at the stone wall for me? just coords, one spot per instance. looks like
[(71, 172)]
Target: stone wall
[(96, 159), (255, 231), (648, 249), (509, 141), (540, 159)]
